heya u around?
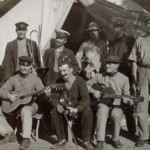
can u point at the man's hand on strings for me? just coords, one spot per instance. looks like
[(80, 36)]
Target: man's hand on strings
[(47, 91), (97, 94), (12, 97), (59, 108), (73, 110), (127, 100)]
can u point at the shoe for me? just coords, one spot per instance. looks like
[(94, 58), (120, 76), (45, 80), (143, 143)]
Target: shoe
[(87, 146), (117, 144), (25, 144), (140, 143), (59, 144), (99, 146), (10, 137)]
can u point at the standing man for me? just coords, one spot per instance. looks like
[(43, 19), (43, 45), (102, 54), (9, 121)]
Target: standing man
[(17, 48), (94, 50), (78, 104), (120, 84), (56, 52), (140, 57), (24, 82), (121, 45)]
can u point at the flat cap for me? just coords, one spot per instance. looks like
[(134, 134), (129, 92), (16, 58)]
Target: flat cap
[(62, 33), (112, 59), (93, 26), (118, 22), (21, 25), (25, 59)]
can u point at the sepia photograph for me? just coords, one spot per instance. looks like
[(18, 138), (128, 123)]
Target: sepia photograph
[(74, 74)]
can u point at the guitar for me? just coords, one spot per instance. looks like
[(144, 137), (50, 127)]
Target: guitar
[(24, 98), (108, 95)]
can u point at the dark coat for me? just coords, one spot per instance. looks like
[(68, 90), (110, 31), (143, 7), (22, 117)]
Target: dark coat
[(11, 54), (79, 96), (49, 58)]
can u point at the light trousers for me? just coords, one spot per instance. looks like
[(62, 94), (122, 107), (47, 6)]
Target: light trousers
[(102, 116)]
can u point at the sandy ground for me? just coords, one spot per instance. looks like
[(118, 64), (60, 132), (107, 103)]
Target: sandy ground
[(45, 142)]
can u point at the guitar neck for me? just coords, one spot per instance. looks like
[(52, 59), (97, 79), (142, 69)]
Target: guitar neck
[(113, 96), (55, 86)]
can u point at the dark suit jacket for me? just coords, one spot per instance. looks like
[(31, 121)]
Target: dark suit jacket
[(49, 58), (11, 54)]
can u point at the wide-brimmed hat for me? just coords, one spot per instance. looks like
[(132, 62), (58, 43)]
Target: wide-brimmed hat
[(118, 22), (93, 26), (113, 59)]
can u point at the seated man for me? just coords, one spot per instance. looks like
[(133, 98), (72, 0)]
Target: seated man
[(78, 103), (6, 130), (120, 84), (23, 82)]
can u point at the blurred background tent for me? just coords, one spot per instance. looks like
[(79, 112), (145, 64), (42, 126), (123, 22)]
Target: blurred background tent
[(71, 15), (102, 11)]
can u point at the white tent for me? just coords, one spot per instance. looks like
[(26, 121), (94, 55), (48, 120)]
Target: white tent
[(49, 14)]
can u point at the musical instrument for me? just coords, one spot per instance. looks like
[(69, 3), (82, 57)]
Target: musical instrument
[(66, 102), (24, 98), (108, 95)]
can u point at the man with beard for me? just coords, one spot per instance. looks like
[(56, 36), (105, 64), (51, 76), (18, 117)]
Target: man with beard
[(121, 45), (94, 50), (77, 103), (120, 84), (56, 52), (23, 83), (140, 57), (17, 48)]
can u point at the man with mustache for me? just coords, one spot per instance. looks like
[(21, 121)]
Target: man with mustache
[(24, 82), (76, 99), (58, 51), (21, 46), (140, 58)]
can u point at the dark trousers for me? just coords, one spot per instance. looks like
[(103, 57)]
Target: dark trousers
[(85, 118)]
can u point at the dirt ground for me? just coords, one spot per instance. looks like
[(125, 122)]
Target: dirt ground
[(46, 141)]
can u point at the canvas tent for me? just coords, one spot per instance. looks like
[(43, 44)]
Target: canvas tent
[(74, 17)]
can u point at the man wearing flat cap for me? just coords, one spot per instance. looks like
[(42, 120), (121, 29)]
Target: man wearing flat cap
[(119, 83), (92, 51), (140, 58), (56, 52), (20, 84), (21, 46)]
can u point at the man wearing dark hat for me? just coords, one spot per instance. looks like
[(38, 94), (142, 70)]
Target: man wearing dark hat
[(17, 48), (24, 82), (94, 50), (121, 45), (140, 58), (78, 105), (56, 52), (120, 84)]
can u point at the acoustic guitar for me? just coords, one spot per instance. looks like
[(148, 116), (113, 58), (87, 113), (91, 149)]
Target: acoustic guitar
[(25, 98), (108, 95)]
